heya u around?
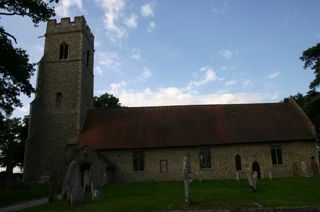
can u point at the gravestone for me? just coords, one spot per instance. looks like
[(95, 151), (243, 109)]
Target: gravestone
[(252, 179), (295, 169), (86, 180), (237, 176), (186, 179), (314, 167), (270, 174), (304, 169), (97, 180), (72, 185)]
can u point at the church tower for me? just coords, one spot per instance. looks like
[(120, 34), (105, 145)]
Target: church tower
[(64, 93)]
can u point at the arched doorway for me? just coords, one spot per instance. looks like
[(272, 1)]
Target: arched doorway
[(256, 167)]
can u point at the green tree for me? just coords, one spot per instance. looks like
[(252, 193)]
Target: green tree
[(15, 68), (311, 58), (13, 135), (310, 103), (106, 101)]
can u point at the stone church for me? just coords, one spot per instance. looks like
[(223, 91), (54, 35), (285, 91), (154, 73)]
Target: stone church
[(149, 143)]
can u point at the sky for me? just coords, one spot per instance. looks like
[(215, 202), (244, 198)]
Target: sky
[(183, 52)]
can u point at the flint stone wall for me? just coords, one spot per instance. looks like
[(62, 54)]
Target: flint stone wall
[(222, 160)]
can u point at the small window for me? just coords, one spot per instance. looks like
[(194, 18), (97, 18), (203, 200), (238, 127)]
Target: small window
[(61, 51), (205, 158), (58, 98), (88, 58), (138, 161), (64, 48), (276, 155), (163, 165), (65, 51), (238, 163)]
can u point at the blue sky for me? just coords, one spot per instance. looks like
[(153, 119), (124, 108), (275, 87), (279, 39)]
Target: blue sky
[(190, 52)]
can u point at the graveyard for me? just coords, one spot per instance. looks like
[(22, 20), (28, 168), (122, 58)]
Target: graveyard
[(226, 194)]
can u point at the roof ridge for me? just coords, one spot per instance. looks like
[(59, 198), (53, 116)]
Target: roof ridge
[(189, 105)]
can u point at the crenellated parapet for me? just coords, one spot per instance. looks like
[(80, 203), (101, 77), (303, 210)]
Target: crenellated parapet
[(66, 25)]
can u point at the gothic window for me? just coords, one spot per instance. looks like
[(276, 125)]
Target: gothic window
[(58, 98), (276, 155), (163, 165), (88, 58), (64, 48), (238, 163), (138, 161), (205, 158)]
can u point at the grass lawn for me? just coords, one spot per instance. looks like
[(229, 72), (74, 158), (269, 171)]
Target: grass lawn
[(150, 196), (8, 197)]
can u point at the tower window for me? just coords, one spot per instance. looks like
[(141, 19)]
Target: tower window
[(64, 48), (88, 58), (58, 98)]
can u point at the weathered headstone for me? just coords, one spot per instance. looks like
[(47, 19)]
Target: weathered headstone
[(86, 180), (72, 185), (97, 180), (295, 169), (270, 174), (304, 169), (252, 179), (314, 167), (186, 179), (237, 176)]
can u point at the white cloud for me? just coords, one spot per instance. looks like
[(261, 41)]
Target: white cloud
[(187, 95), (246, 83), (113, 12), (226, 53), (180, 96), (151, 26), (116, 86), (136, 54), (109, 59), (208, 75), (230, 82), (131, 22), (274, 75), (144, 76), (147, 9), (98, 71), (146, 73), (63, 7)]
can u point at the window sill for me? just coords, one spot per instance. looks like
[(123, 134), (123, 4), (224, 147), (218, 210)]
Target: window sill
[(277, 165), (205, 169)]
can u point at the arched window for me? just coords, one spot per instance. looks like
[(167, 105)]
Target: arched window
[(238, 163), (276, 155), (63, 54), (88, 58)]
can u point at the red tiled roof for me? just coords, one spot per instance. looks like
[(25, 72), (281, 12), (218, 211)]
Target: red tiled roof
[(193, 125)]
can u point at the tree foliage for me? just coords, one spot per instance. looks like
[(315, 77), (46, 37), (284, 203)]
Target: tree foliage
[(106, 101), (15, 68), (311, 58), (310, 103), (13, 135)]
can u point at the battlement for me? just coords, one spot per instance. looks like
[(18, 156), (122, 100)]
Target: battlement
[(66, 25)]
